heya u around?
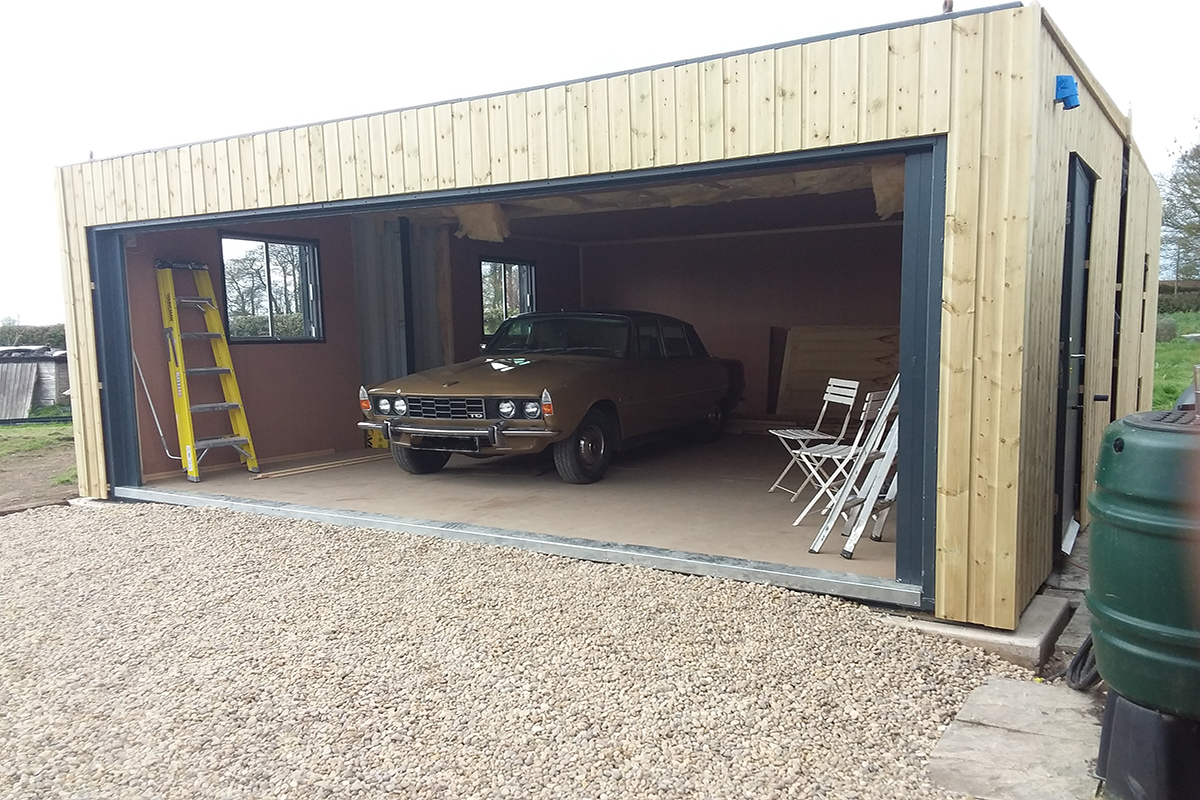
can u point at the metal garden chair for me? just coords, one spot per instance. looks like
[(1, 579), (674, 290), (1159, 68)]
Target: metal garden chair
[(838, 392)]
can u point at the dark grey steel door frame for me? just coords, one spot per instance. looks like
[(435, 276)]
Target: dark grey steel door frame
[(1072, 347), (920, 313)]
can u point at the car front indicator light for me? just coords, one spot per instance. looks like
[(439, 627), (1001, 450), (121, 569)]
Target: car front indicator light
[(547, 403), (364, 402)]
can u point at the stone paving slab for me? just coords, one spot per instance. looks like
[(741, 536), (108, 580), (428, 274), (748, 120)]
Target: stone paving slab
[(1015, 740)]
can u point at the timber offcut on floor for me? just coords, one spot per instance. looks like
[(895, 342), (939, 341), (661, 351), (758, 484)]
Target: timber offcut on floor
[(706, 503)]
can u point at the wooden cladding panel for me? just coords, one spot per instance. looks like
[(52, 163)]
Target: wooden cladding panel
[(989, 170), (868, 354), (887, 84)]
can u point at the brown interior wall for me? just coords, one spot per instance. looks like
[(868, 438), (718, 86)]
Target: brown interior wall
[(299, 397), (735, 289), (556, 278)]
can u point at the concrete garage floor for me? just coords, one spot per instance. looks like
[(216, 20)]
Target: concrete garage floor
[(677, 495)]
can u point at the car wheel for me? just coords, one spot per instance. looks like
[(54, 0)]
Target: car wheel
[(584, 458), (713, 426), (419, 462)]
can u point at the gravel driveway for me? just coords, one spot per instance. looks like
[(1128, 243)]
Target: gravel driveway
[(151, 651)]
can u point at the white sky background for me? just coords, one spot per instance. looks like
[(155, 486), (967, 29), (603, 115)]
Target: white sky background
[(125, 76)]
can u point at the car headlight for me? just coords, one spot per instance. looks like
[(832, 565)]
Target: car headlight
[(385, 405), (401, 406), (531, 409), (508, 409)]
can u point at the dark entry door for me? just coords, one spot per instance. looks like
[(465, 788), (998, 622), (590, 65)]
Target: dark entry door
[(1072, 357)]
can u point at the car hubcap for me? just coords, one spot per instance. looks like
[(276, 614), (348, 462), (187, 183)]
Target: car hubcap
[(591, 446)]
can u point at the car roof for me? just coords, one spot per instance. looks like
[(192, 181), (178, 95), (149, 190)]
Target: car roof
[(605, 313)]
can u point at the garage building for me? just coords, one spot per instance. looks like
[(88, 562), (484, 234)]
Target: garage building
[(909, 198)]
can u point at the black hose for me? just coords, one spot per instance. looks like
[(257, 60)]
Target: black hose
[(1081, 673)]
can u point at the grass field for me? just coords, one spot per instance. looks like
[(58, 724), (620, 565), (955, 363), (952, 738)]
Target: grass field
[(24, 438), (1173, 361)]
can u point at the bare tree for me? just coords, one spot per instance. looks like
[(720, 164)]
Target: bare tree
[(1181, 218)]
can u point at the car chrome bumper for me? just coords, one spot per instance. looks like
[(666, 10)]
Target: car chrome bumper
[(493, 433)]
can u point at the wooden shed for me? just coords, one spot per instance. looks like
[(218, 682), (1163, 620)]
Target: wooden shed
[(1013, 235)]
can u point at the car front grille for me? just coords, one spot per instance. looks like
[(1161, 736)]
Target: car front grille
[(445, 407)]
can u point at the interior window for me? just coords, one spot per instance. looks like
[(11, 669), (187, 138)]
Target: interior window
[(271, 290), (675, 342), (507, 291), (649, 344)]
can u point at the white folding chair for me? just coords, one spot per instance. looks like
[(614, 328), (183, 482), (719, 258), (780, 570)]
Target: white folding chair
[(838, 392), (874, 500), (836, 467)]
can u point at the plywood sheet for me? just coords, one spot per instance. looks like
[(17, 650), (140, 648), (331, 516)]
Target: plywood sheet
[(816, 353)]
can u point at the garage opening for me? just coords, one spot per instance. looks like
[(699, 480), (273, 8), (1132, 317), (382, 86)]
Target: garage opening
[(793, 273)]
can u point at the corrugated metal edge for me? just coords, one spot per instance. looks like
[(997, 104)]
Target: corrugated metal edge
[(819, 581), (16, 388)]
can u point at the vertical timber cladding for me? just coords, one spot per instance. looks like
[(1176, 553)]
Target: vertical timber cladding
[(859, 88), (987, 238)]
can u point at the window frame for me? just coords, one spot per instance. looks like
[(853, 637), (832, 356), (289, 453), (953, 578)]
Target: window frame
[(318, 290), (531, 266)]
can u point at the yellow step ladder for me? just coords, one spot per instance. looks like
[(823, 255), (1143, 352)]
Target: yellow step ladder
[(192, 449)]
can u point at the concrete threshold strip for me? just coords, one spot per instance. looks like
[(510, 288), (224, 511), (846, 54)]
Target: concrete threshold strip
[(856, 587)]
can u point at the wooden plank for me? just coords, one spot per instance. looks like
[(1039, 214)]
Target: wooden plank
[(117, 211), (248, 170), (535, 107), (130, 209), (225, 173), (393, 143), (1133, 291), (789, 78), (843, 81), (962, 236), (237, 174), (107, 195), (194, 169), (578, 130), (818, 93), (427, 148), (348, 143), (287, 167), (641, 119), (761, 80), (815, 353), (447, 158), (183, 168), (557, 137), (904, 81), (874, 99), (518, 137), (91, 208), (737, 107), (620, 150), (140, 208), (410, 142), (162, 182), (378, 148), (317, 160), (208, 173), (174, 198), (498, 138), (262, 171), (599, 138), (151, 169), (1150, 307), (481, 143), (712, 110), (274, 165), (304, 165), (663, 88), (934, 94), (331, 158)]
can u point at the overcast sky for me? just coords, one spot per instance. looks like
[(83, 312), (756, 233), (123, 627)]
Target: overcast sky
[(123, 76)]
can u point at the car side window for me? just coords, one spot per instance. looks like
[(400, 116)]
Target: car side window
[(649, 345), (694, 340), (675, 342)]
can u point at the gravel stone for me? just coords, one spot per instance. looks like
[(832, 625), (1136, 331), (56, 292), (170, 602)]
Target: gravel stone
[(154, 651)]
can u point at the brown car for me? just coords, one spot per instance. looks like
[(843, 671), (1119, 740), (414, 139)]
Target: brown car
[(584, 383)]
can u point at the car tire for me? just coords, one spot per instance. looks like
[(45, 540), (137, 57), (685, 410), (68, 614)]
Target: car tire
[(585, 456), (419, 462), (713, 426)]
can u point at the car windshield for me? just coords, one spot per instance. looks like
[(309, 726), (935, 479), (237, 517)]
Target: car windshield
[(593, 336)]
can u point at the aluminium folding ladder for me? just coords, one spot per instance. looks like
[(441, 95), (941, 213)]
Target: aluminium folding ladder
[(192, 449)]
